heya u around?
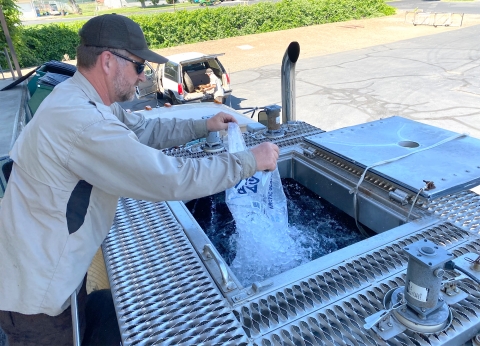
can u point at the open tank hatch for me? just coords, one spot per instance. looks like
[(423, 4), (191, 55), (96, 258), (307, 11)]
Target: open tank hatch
[(316, 226), (330, 166), (165, 270)]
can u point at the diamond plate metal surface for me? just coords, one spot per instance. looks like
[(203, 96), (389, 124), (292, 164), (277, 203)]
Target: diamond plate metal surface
[(291, 138), (164, 296), (329, 308), (162, 293), (461, 209), (341, 323)]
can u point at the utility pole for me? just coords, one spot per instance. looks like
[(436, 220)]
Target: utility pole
[(10, 43)]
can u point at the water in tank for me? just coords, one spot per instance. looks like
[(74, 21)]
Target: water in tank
[(315, 226)]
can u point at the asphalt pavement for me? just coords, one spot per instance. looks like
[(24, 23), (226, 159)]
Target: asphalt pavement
[(466, 7), (433, 79)]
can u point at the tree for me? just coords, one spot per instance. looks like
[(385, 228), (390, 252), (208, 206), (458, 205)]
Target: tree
[(12, 17), (75, 7)]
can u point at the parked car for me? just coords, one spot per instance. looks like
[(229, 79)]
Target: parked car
[(209, 2), (178, 80), (54, 9)]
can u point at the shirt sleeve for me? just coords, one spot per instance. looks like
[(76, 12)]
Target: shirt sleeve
[(108, 156), (161, 133)]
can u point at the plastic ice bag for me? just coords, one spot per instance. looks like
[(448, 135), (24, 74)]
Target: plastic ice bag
[(262, 194), (259, 208)]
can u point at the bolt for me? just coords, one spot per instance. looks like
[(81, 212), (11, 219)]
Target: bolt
[(439, 272), (476, 265), (404, 309), (390, 324), (381, 329), (423, 309)]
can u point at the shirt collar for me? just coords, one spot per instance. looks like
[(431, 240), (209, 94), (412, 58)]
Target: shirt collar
[(87, 87)]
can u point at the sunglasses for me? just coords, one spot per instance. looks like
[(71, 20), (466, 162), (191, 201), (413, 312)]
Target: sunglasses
[(139, 67)]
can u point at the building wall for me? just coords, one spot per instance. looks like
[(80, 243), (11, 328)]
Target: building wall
[(27, 10)]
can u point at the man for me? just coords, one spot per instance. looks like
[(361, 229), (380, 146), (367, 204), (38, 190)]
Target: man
[(75, 158), (214, 87)]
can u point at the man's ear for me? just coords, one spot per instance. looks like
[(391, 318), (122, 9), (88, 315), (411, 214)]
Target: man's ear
[(106, 62)]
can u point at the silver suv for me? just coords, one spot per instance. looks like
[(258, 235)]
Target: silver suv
[(178, 80)]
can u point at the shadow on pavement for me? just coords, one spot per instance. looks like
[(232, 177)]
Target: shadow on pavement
[(234, 102)]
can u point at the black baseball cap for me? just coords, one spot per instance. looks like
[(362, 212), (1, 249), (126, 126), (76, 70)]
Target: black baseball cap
[(120, 32)]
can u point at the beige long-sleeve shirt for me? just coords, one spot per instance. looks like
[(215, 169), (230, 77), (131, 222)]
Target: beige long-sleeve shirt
[(71, 164)]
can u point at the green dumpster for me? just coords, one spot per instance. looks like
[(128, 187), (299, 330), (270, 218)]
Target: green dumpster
[(38, 96), (33, 82)]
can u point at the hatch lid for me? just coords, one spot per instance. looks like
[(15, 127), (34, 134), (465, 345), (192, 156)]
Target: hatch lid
[(452, 166)]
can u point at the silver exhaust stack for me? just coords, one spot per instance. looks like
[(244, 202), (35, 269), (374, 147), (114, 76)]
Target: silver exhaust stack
[(288, 82)]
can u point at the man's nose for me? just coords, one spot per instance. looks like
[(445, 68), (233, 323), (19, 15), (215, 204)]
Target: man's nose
[(142, 77)]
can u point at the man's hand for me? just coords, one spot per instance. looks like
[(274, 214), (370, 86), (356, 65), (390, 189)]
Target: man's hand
[(266, 156), (202, 87), (220, 121)]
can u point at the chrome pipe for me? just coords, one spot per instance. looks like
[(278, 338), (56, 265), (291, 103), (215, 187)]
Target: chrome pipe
[(288, 82)]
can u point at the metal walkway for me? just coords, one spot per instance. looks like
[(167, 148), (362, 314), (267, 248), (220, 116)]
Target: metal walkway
[(165, 295)]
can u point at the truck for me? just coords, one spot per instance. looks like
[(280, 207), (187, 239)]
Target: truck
[(411, 280)]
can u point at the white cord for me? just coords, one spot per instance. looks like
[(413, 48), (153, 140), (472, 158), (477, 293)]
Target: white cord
[(413, 203)]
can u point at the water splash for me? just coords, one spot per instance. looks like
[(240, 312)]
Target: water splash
[(264, 250), (316, 228)]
